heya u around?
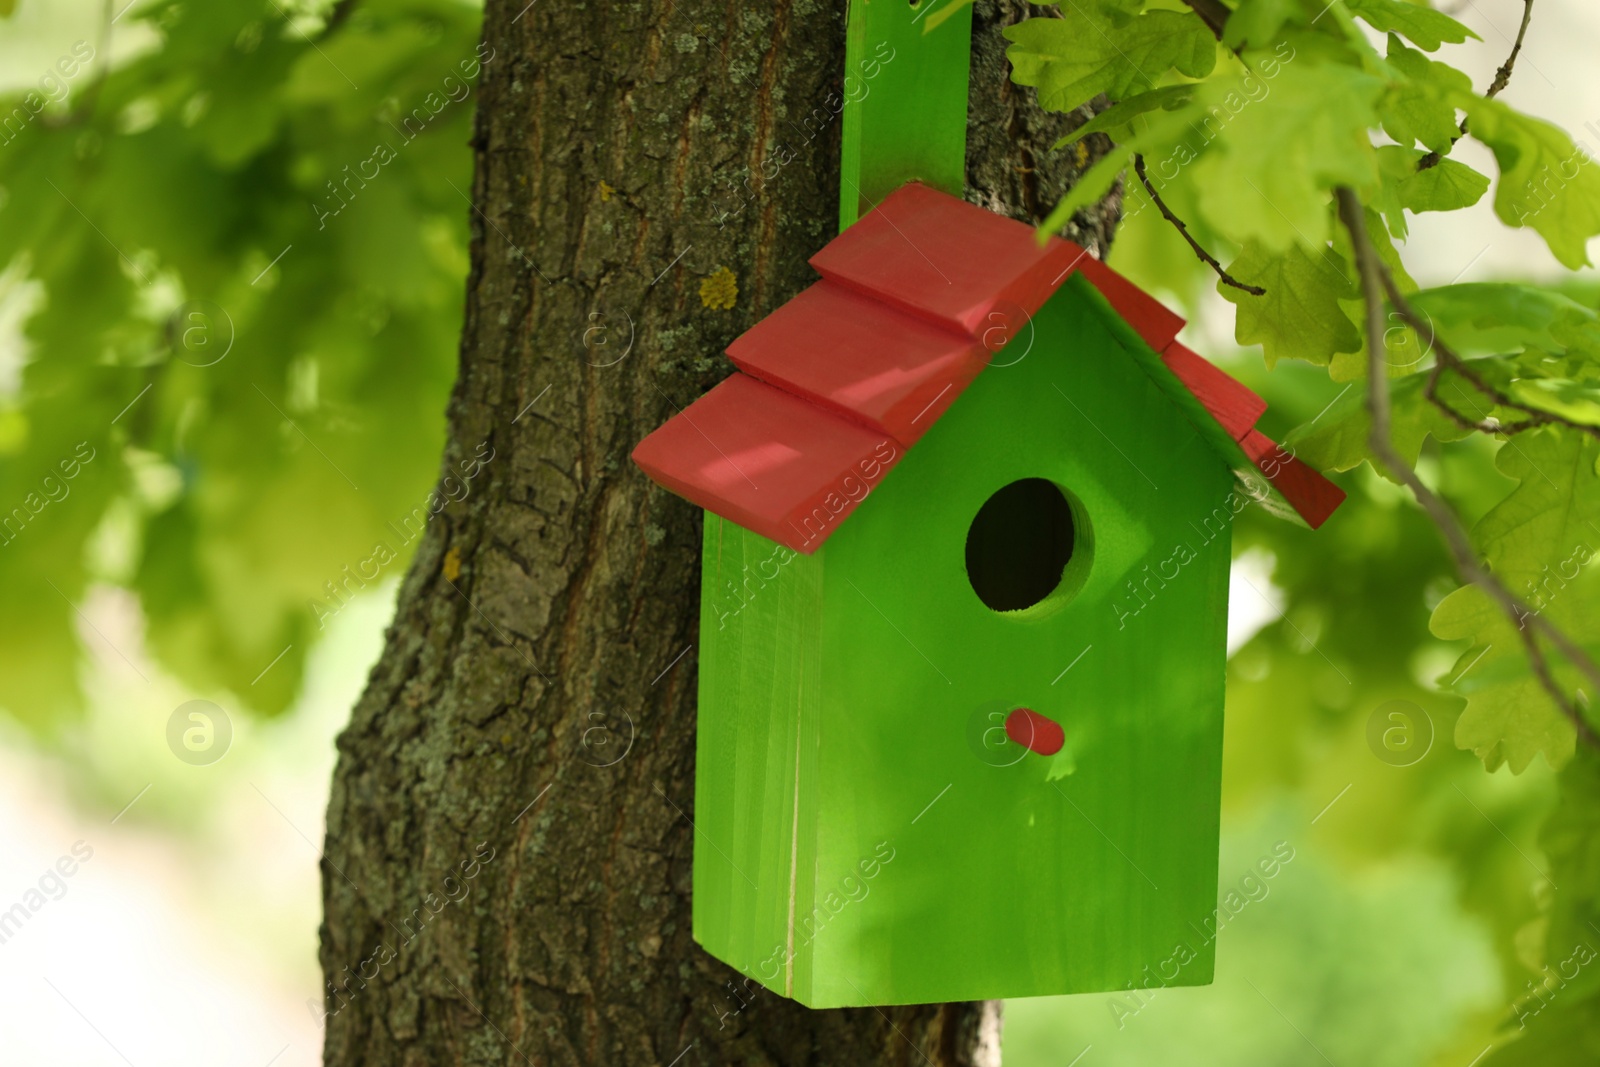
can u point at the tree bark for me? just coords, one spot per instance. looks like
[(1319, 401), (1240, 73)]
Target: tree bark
[(507, 868)]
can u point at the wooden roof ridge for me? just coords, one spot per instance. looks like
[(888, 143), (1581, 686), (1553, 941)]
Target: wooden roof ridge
[(834, 386)]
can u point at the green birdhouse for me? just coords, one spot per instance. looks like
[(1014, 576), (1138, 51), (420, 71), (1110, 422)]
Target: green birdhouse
[(963, 622), (964, 604)]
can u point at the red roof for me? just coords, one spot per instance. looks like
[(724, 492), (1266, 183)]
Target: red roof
[(914, 299)]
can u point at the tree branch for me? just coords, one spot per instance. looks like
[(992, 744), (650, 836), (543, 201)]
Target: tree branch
[(1502, 78), (1431, 392), (1375, 280), (1199, 250), (1447, 359), (1488, 425)]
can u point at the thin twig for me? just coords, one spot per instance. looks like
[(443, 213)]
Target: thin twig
[(1447, 359), (1374, 281), (1205, 257), (1502, 78), (1431, 392), (1489, 425), (1534, 417), (1213, 13)]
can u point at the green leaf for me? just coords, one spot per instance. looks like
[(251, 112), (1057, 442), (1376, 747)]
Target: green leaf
[(1122, 113), (1339, 439), (1502, 316), (1425, 27), (1161, 128), (1404, 352), (1420, 106), (1536, 541), (1565, 1028), (1561, 1032), (1429, 73), (1096, 49), (1509, 718), (1257, 22), (1571, 840), (1272, 156), (7, 8), (1388, 254), (1396, 165), (1546, 182), (1575, 401), (1300, 316), (1448, 186), (1092, 184)]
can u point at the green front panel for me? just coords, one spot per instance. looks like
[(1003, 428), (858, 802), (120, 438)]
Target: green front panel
[(760, 684), (1049, 875)]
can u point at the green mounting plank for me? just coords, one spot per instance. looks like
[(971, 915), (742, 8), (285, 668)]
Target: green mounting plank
[(905, 111)]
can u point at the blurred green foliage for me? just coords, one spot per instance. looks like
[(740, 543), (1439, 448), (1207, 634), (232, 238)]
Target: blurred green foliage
[(1249, 147), (1422, 906), (233, 389), (243, 255)]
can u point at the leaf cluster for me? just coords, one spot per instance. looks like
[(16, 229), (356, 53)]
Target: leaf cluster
[(1303, 103), (240, 256), (1293, 102)]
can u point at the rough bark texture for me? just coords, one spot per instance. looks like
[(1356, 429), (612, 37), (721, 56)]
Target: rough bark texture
[(507, 870)]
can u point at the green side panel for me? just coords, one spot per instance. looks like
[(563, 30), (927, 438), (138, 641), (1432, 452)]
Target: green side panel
[(905, 111), (760, 688), (948, 864)]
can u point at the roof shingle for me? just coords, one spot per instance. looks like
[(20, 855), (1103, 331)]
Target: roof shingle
[(835, 385)]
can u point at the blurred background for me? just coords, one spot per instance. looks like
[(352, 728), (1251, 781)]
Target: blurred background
[(194, 607)]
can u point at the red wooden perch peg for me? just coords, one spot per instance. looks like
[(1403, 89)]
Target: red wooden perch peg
[(1033, 731)]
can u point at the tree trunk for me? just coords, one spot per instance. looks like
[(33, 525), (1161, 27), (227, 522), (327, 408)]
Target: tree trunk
[(507, 869)]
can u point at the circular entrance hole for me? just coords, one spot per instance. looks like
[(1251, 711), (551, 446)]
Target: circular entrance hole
[(1019, 544)]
